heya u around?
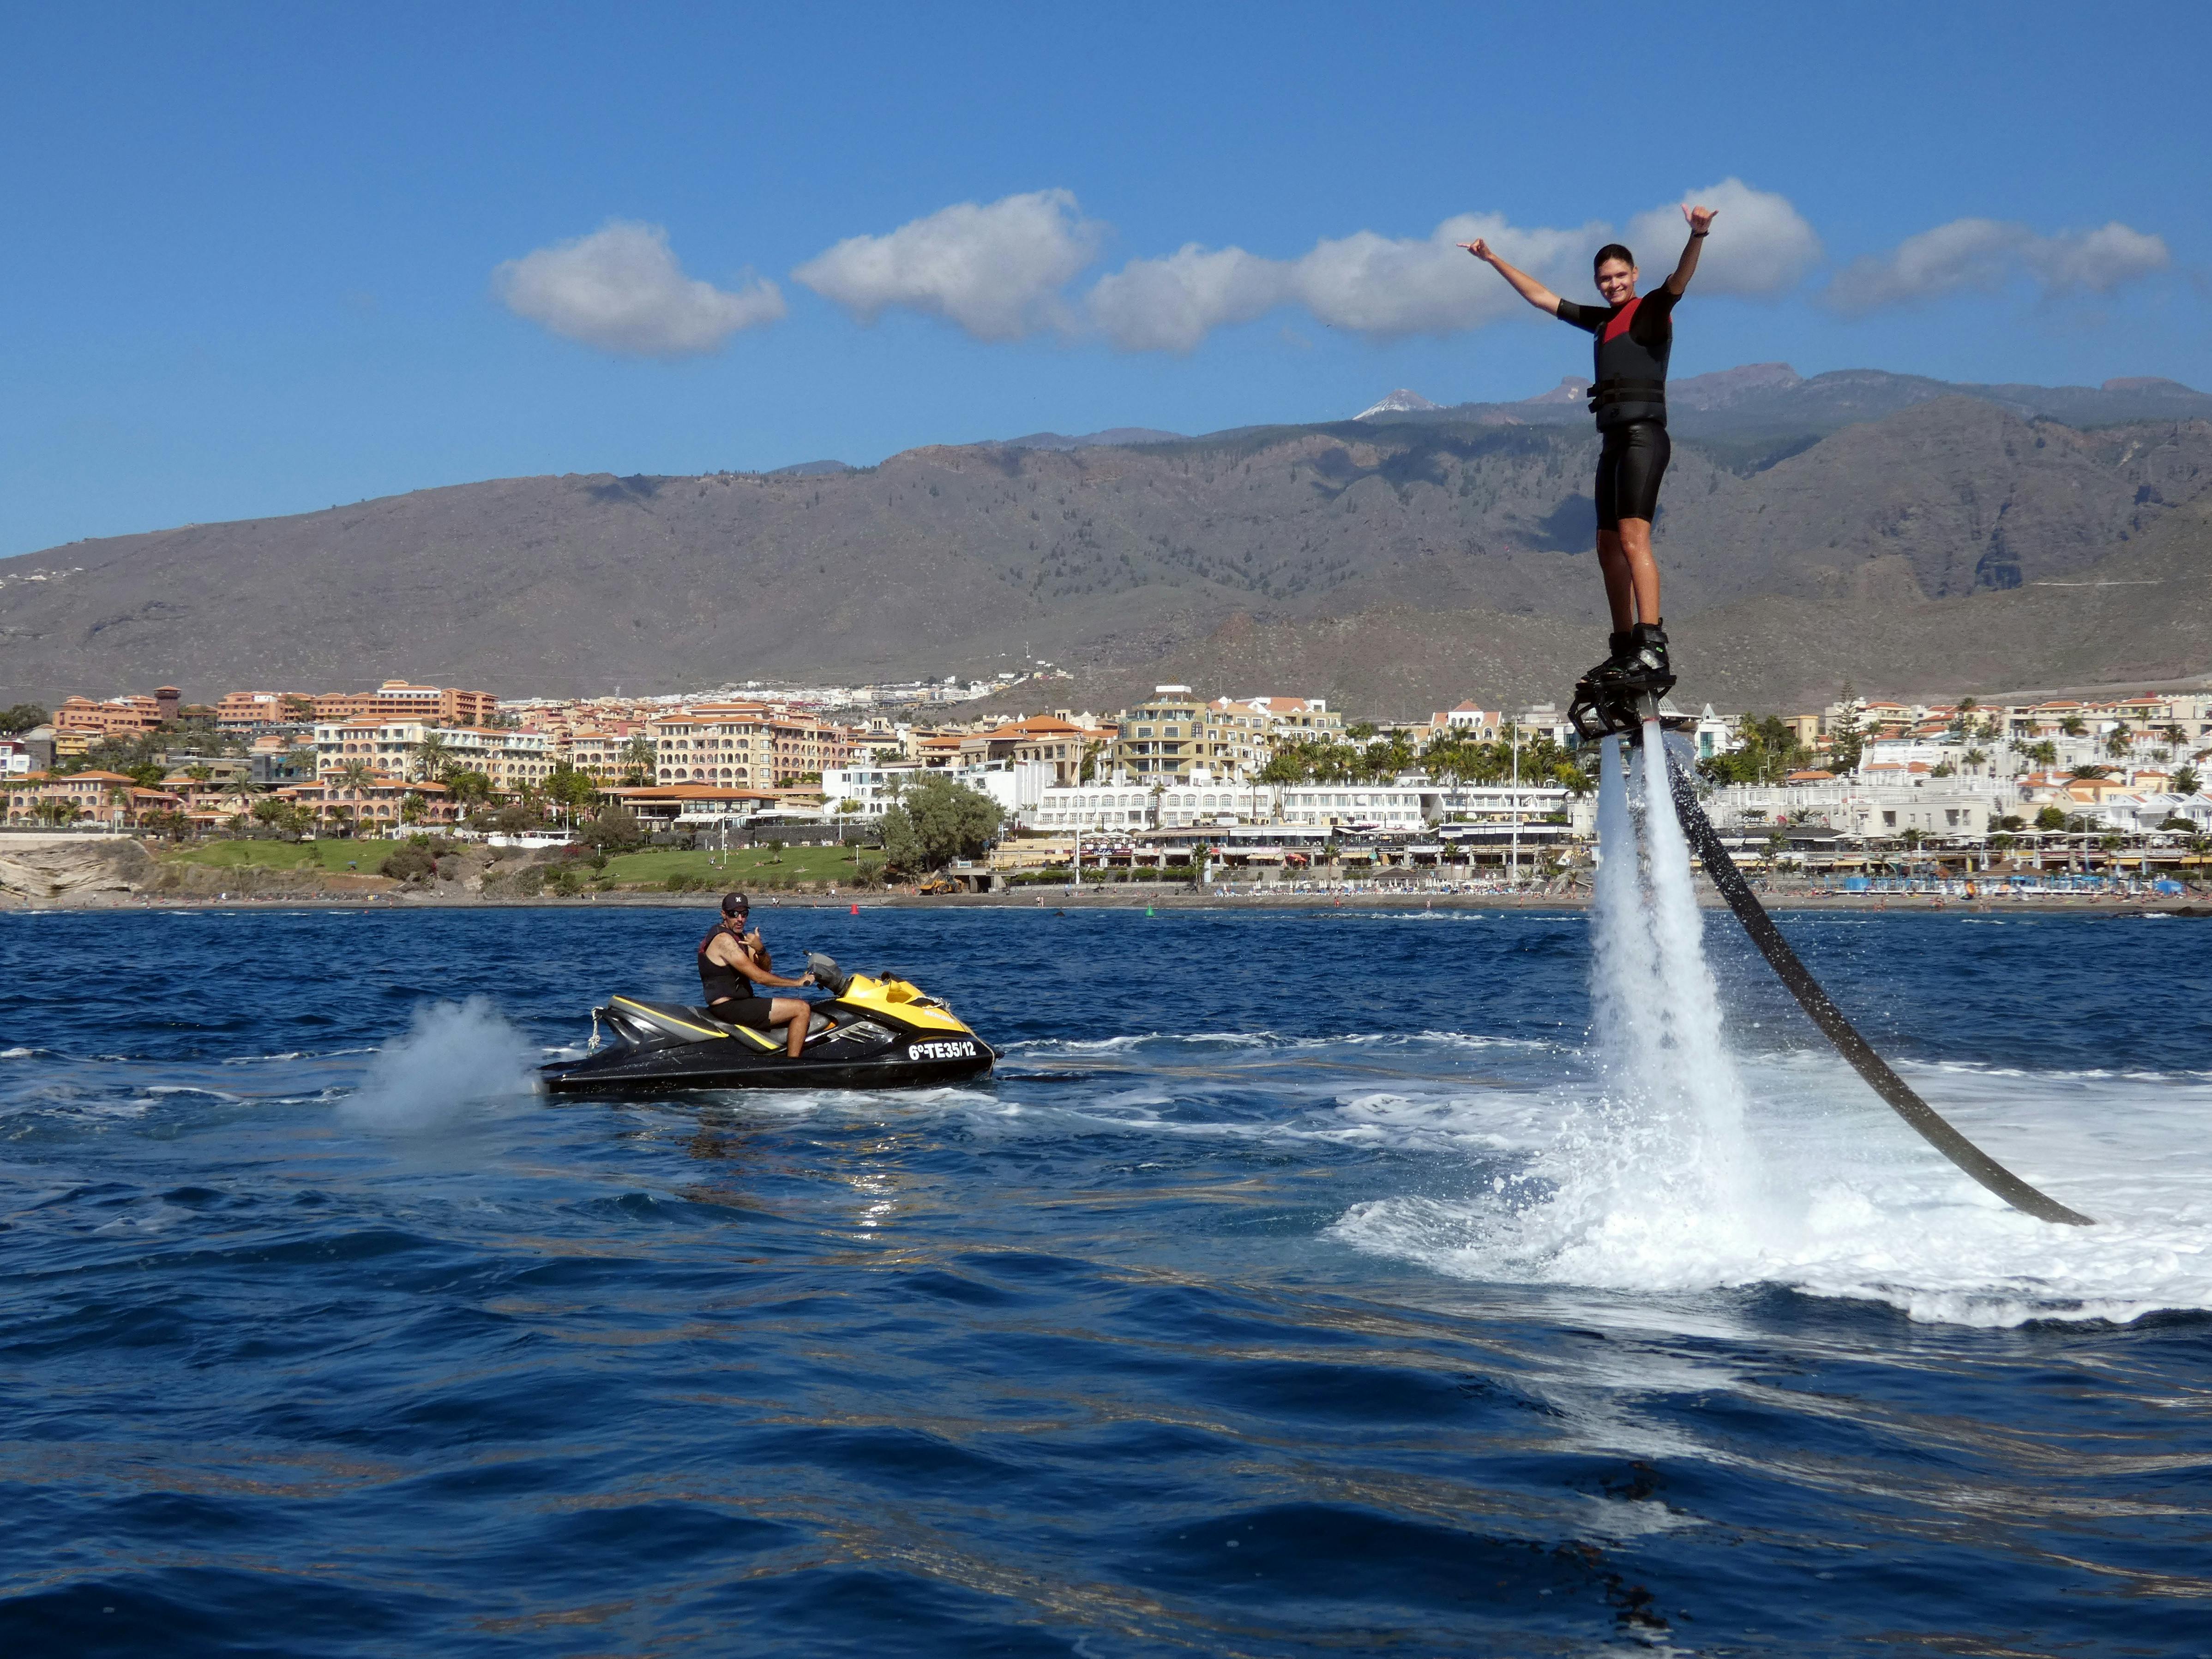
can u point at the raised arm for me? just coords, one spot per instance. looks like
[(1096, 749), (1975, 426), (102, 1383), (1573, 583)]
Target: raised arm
[(1523, 284), (1701, 221)]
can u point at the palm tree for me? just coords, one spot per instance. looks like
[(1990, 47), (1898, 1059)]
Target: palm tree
[(2120, 740), (433, 755), (640, 759), (1977, 758)]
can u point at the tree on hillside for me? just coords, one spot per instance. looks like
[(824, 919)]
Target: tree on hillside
[(1846, 740), (2185, 780), (471, 788), (433, 756), (1767, 752), (611, 830), (936, 821), (639, 758), (287, 818), (2072, 726), (570, 787), (21, 718)]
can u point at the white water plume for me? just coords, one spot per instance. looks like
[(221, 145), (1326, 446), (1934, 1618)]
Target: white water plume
[(1669, 1124), (456, 1056)]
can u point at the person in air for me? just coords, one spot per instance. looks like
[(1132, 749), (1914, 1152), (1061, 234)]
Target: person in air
[(1634, 335), (733, 964)]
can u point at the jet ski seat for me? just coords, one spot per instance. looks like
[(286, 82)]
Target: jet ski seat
[(818, 1027)]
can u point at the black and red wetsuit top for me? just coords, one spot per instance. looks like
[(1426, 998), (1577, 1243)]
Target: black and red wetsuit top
[(1633, 341)]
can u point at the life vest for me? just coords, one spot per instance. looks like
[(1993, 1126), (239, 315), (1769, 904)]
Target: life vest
[(1629, 380), (717, 980)]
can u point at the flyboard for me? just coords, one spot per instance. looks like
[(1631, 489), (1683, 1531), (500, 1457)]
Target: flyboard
[(1611, 713)]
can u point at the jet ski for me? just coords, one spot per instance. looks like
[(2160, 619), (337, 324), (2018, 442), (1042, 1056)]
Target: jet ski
[(877, 1031)]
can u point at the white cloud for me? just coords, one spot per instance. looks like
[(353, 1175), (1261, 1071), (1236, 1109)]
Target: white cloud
[(1172, 304), (1378, 286), (1987, 253), (620, 289), (1760, 243), (1386, 288), (995, 269)]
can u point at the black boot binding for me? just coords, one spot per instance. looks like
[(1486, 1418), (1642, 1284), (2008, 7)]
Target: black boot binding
[(1615, 695)]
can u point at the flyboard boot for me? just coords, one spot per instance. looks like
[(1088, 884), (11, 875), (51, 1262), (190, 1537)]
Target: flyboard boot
[(1617, 694)]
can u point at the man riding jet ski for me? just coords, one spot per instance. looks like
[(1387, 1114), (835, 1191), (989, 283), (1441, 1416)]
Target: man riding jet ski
[(874, 1032)]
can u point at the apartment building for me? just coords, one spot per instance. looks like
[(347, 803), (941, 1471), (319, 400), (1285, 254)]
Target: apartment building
[(398, 700), (747, 743), (728, 747), (1289, 718), (256, 711), (1059, 742), (393, 748), (378, 804), (126, 716), (602, 757), (1173, 734), (96, 797)]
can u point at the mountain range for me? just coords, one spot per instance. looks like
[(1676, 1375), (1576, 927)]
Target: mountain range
[(1904, 532)]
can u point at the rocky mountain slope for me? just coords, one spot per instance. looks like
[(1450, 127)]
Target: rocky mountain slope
[(1406, 558)]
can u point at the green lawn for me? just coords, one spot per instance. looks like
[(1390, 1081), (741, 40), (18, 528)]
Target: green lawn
[(740, 866), (342, 857)]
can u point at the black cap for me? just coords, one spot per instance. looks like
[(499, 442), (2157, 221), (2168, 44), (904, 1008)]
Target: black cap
[(735, 904)]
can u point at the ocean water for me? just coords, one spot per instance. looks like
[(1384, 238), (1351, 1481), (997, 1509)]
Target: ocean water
[(1304, 1282)]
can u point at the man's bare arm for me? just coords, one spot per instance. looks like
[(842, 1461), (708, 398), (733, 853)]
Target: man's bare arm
[(1523, 284), (731, 954), (1701, 221)]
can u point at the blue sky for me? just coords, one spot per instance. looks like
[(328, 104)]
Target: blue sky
[(265, 259)]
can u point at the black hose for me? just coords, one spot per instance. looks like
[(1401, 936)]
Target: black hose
[(1840, 1031)]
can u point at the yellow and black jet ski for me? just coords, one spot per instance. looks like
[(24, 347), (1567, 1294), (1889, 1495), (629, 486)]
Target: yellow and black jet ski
[(875, 1031)]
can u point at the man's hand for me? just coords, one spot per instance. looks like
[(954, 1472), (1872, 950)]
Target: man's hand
[(1700, 218), (1480, 249)]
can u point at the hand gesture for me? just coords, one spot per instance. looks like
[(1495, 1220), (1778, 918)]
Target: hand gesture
[(1700, 218), (1480, 248)]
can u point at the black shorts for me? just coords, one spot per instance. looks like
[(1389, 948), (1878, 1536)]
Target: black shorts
[(1629, 469), (744, 1011)]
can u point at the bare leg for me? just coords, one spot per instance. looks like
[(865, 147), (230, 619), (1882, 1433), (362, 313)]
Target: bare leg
[(1619, 584), (1642, 570), (799, 1013)]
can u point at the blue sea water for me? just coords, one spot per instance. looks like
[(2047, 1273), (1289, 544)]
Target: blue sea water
[(1291, 1289)]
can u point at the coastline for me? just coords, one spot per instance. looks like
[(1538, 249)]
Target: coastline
[(1051, 901)]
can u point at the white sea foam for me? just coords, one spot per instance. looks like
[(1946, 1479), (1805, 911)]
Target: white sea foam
[(1686, 1169), (456, 1057)]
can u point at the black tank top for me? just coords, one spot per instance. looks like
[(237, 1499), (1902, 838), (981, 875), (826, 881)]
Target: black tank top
[(718, 981)]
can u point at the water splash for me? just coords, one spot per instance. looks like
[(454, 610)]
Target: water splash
[(1661, 1159), (456, 1056)]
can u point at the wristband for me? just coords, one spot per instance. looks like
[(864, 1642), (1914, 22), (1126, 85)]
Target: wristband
[(1697, 234)]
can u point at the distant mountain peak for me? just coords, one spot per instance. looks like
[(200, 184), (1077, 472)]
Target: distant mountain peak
[(810, 470), (2147, 383), (1114, 437), (1400, 402), (1571, 389), (1731, 386)]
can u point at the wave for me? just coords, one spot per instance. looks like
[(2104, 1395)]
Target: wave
[(1847, 1203)]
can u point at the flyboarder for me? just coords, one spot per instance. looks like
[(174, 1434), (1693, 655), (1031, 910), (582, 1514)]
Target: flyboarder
[(1634, 335)]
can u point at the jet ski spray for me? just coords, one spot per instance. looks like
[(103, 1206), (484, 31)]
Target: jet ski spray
[(1619, 705)]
